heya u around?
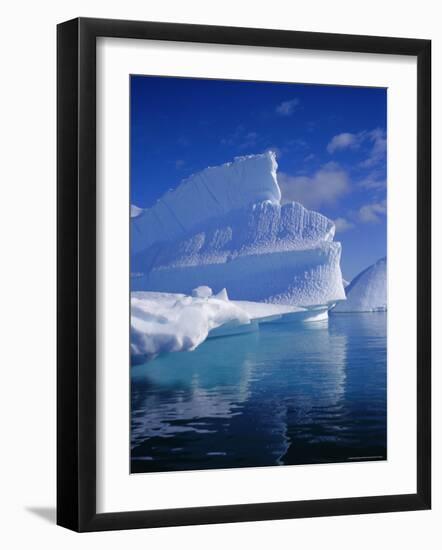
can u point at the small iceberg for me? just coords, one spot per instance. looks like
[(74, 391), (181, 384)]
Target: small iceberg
[(167, 322), (368, 291)]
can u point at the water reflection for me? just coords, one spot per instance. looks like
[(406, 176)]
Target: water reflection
[(284, 395)]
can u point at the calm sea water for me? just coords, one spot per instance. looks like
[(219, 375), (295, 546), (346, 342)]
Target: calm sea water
[(286, 394)]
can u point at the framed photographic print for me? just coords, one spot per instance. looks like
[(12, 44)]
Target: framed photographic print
[(243, 274)]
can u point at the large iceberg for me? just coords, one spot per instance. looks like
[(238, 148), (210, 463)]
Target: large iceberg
[(367, 291), (226, 227)]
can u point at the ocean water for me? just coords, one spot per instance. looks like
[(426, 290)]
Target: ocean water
[(286, 394)]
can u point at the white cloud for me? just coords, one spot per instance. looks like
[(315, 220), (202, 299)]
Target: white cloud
[(379, 148), (372, 213), (375, 140), (374, 180), (324, 187), (344, 141), (342, 225), (287, 108)]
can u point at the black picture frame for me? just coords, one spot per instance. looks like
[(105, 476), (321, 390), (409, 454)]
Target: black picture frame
[(76, 274)]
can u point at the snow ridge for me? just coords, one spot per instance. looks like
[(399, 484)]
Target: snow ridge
[(218, 190)]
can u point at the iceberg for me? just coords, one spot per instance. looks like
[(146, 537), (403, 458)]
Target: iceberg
[(367, 291), (202, 292), (226, 227), (165, 322), (168, 322)]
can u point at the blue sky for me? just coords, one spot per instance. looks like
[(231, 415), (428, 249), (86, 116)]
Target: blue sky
[(330, 143)]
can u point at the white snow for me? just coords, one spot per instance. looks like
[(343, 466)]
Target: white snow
[(222, 295), (225, 227), (208, 194), (202, 292), (260, 310), (166, 322), (367, 291), (163, 322)]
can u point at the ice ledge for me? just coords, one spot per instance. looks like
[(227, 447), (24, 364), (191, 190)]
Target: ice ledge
[(167, 322)]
